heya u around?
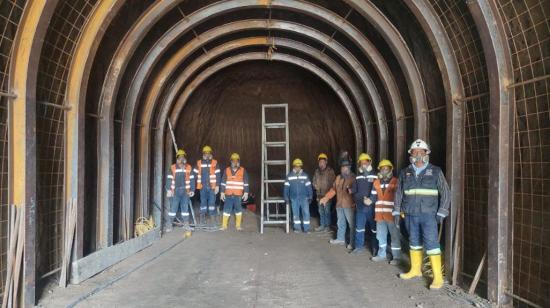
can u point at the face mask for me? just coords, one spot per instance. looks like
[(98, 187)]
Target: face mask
[(414, 159), (367, 168), (385, 173), (297, 169), (235, 165), (182, 161)]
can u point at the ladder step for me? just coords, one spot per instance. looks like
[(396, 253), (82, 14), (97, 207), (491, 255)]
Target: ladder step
[(275, 162), (275, 125), (274, 181), (275, 143)]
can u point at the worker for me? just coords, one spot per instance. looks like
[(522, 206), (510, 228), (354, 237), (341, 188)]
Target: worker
[(208, 177), (345, 207), (298, 193), (423, 196), (365, 226), (323, 179), (383, 196), (234, 190), (180, 186)]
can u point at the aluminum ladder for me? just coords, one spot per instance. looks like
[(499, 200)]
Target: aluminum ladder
[(274, 209)]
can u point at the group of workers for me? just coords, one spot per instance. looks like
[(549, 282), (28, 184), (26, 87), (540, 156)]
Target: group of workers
[(232, 186), (370, 203)]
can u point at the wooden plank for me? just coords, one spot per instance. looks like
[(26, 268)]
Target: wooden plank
[(98, 261), (478, 274)]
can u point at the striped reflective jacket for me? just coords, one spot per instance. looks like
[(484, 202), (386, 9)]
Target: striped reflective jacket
[(207, 172), (362, 186), (234, 183), (297, 185), (180, 179), (426, 193), (383, 196)]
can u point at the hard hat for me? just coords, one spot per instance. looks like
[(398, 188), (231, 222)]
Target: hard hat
[(322, 156), (385, 163), (297, 162), (235, 156), (181, 152), (344, 163), (207, 149), (364, 156), (420, 144)]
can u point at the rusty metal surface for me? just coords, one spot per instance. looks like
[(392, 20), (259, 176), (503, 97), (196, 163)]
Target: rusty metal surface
[(497, 57)]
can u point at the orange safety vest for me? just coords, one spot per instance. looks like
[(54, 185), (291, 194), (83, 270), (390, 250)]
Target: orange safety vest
[(200, 165), (187, 176), (385, 199), (234, 184)]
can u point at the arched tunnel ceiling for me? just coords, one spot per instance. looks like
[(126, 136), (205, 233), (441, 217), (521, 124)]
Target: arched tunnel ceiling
[(316, 16), (382, 81)]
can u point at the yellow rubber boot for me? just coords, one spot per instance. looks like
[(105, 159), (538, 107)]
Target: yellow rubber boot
[(238, 220), (225, 221), (437, 283), (416, 266)]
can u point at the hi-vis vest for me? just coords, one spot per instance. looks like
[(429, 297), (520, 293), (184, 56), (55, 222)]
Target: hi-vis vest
[(385, 197), (234, 185), (212, 165), (181, 178)]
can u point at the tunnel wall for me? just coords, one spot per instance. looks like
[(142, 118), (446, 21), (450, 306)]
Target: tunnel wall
[(527, 30), (225, 113)]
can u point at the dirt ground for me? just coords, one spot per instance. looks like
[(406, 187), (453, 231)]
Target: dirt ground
[(246, 269)]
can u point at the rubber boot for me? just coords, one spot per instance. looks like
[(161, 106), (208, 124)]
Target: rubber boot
[(437, 283), (238, 220), (416, 265), (225, 222)]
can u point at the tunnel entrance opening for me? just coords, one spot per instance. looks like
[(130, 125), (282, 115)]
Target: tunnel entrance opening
[(225, 113)]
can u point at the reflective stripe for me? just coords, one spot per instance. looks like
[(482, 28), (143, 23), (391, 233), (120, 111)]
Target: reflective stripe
[(235, 182), (301, 177), (432, 252), (308, 183), (239, 213), (245, 184), (396, 248), (384, 185), (170, 176), (195, 170), (217, 171), (290, 178), (205, 165), (374, 192), (439, 214), (171, 214), (184, 214), (383, 210), (287, 184), (191, 176), (211, 208), (416, 247), (297, 221), (422, 192), (395, 213), (306, 222), (223, 184), (234, 187), (384, 245), (384, 202), (179, 170), (226, 214), (188, 186), (359, 177), (372, 176), (360, 230)]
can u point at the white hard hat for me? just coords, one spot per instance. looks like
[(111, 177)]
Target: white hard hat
[(420, 144)]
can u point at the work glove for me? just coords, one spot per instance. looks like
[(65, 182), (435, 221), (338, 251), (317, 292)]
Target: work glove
[(367, 201), (222, 197), (216, 190), (169, 193), (440, 219), (323, 201), (397, 220), (245, 196), (191, 194)]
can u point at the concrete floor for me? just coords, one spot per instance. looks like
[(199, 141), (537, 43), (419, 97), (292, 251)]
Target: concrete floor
[(246, 269)]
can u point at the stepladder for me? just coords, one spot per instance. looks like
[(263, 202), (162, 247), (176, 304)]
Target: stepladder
[(275, 166)]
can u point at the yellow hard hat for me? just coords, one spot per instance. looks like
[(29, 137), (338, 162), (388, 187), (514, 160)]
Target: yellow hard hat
[(322, 156), (207, 149), (297, 162), (181, 152), (364, 156), (235, 156), (385, 163)]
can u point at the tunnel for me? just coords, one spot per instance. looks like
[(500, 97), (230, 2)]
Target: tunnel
[(98, 94)]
